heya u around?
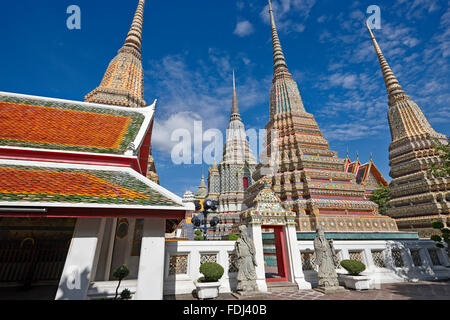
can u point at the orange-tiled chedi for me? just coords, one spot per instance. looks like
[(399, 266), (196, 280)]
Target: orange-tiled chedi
[(417, 197), (123, 82), (310, 178)]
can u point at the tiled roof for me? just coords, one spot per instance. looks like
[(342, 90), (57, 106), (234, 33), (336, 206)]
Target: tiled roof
[(53, 124), (68, 185)]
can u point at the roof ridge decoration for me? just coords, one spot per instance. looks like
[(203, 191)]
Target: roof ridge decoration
[(123, 82)]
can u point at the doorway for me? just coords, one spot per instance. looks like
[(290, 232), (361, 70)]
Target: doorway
[(275, 257)]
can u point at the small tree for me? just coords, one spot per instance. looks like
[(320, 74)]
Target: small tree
[(381, 197), (444, 237), (121, 273), (443, 168)]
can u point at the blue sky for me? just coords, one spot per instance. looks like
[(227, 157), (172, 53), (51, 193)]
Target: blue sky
[(191, 47)]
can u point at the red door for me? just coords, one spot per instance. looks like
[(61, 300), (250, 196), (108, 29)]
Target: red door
[(281, 273)]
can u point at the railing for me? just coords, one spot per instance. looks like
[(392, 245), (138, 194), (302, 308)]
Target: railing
[(183, 260)]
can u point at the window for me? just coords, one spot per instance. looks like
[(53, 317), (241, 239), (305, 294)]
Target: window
[(245, 183)]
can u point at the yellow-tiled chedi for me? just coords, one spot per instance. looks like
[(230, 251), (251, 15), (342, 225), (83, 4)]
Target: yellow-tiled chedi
[(123, 82), (417, 197), (308, 177)]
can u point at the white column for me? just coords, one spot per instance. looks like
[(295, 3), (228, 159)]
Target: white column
[(150, 283), (81, 261), (294, 259), (255, 233)]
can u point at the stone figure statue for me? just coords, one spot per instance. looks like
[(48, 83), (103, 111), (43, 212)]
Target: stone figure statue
[(246, 263), (327, 261)]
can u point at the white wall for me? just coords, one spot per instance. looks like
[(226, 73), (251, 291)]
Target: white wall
[(389, 274)]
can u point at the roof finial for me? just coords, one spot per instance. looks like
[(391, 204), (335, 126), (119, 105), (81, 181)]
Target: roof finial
[(134, 37), (394, 89), (279, 62), (235, 114)]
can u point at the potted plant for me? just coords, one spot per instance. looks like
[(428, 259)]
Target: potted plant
[(208, 286), (354, 280)]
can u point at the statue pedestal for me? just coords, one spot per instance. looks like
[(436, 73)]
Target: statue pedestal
[(253, 295), (330, 290)]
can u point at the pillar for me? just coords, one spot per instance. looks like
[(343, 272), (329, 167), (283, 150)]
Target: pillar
[(150, 284), (255, 233), (81, 262), (296, 274)]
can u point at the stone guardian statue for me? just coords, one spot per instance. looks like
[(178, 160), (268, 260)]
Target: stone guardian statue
[(246, 263), (327, 261)]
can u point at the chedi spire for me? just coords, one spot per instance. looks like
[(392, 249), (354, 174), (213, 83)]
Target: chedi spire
[(280, 68), (123, 82), (394, 89)]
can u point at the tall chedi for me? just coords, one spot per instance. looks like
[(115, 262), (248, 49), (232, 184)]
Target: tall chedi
[(123, 82), (308, 177), (417, 197), (228, 181)]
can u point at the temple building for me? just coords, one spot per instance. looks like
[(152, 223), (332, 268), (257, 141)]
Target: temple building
[(417, 197), (366, 174), (228, 181), (307, 176), (75, 202)]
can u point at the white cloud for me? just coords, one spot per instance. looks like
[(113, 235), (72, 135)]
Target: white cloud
[(243, 29)]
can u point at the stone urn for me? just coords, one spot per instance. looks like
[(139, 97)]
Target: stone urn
[(208, 286), (207, 290), (359, 282)]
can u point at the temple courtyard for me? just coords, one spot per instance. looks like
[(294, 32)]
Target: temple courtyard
[(424, 290)]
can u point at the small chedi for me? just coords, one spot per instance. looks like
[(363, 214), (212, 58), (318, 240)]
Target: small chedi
[(245, 252), (228, 181), (327, 261)]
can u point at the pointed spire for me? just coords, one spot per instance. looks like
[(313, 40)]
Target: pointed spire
[(235, 114), (394, 89), (280, 68), (134, 38), (123, 81)]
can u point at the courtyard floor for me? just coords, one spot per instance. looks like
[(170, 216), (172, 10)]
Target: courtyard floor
[(396, 291)]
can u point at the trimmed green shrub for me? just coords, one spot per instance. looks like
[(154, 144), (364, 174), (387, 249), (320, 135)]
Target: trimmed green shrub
[(199, 238), (211, 271), (354, 267), (233, 237), (198, 232)]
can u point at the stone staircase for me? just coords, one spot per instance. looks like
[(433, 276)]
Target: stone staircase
[(280, 286)]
